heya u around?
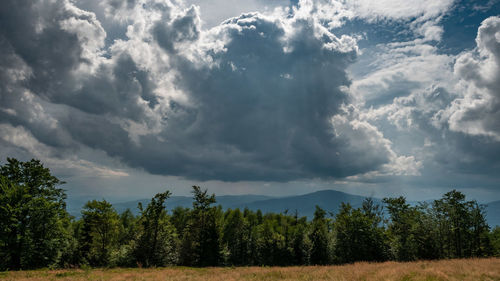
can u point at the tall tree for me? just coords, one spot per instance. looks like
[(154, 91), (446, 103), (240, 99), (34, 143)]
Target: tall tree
[(320, 250), (127, 227), (462, 227), (403, 219), (201, 243), (495, 241), (156, 245), (180, 217), (34, 224), (271, 242), (252, 235), (235, 235), (301, 244), (99, 232), (480, 243), (357, 236), (425, 233)]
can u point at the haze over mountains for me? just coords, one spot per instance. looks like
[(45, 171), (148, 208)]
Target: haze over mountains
[(329, 200), (493, 213)]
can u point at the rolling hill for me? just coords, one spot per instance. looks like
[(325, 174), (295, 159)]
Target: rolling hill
[(305, 205)]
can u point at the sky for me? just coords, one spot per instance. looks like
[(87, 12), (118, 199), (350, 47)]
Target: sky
[(125, 98)]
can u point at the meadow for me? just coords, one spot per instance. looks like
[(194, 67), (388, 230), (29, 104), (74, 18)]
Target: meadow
[(459, 269)]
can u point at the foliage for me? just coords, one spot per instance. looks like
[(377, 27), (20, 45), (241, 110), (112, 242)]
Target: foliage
[(36, 231), (495, 241), (99, 233), (34, 224), (320, 250), (462, 228), (358, 235), (201, 243), (156, 244)]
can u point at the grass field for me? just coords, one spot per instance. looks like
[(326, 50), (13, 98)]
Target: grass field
[(467, 269)]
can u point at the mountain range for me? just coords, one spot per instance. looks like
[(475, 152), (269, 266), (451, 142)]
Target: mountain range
[(304, 205)]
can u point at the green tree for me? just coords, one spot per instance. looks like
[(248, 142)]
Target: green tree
[(34, 224), (99, 235), (480, 243), (377, 240), (403, 219), (271, 242), (235, 237), (201, 241), (301, 244), (412, 230), (180, 217), (156, 245), (127, 227), (425, 233), (319, 237), (495, 241), (357, 236), (128, 230), (462, 228), (252, 236), (454, 217)]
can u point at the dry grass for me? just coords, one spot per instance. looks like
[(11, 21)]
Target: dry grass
[(466, 269)]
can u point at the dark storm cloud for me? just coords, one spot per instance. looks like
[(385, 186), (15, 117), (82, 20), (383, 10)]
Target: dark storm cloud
[(38, 32), (267, 105), (256, 98), (48, 49)]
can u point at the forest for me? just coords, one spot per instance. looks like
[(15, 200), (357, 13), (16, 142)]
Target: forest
[(36, 231)]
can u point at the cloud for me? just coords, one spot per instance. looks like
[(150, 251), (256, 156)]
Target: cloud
[(250, 99), (355, 128), (399, 9), (262, 104), (214, 12), (477, 112), (398, 69), (324, 93), (441, 109), (21, 143)]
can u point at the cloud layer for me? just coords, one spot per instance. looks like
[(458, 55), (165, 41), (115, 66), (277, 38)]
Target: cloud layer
[(283, 94), (259, 97)]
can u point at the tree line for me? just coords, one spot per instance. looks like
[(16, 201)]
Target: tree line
[(36, 231)]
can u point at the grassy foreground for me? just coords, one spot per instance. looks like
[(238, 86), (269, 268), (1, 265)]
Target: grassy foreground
[(466, 269)]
